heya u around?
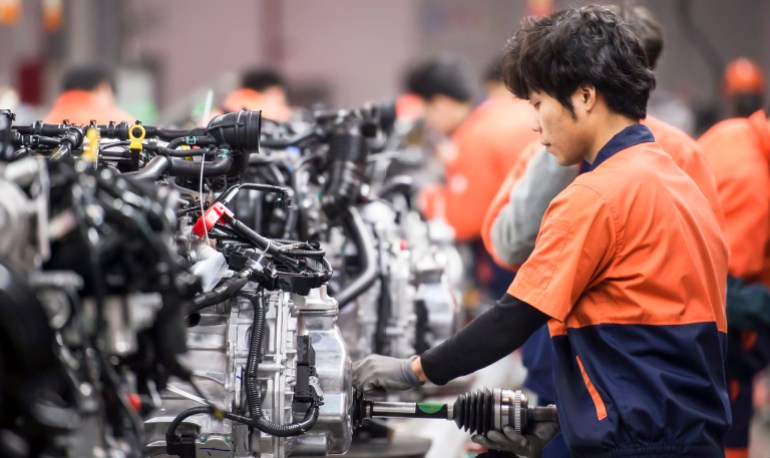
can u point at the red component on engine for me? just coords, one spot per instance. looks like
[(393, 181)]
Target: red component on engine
[(134, 401), (210, 218)]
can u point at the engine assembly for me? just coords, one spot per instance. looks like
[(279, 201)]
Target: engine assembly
[(201, 292)]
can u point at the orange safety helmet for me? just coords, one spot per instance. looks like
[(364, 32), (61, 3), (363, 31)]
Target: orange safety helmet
[(743, 75)]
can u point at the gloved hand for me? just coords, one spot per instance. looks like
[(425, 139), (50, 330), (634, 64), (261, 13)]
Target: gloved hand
[(378, 372), (530, 445)]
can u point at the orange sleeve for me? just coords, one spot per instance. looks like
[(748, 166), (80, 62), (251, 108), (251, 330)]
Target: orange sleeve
[(502, 198), (575, 243), (743, 185)]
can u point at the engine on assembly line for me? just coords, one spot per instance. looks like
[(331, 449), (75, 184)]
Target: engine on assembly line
[(201, 292)]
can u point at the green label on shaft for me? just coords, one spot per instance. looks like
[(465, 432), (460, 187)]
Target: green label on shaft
[(429, 407)]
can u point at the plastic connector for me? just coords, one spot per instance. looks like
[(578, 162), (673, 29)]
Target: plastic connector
[(136, 134), (210, 218)]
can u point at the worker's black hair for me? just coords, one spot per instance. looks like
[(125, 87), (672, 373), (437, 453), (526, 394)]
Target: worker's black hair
[(644, 25), (493, 72), (262, 78), (87, 78), (559, 53), (440, 76)]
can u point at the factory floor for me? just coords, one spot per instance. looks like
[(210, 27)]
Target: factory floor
[(448, 442)]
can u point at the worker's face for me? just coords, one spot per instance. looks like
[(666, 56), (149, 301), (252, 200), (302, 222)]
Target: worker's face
[(275, 105), (275, 95), (444, 114), (562, 133), (104, 92)]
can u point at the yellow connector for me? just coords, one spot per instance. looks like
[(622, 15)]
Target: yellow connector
[(185, 148), (136, 135), (91, 146)]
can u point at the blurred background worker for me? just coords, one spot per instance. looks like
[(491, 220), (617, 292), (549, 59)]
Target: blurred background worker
[(476, 145), (739, 150), (88, 93), (513, 220), (744, 88), (494, 87), (261, 88)]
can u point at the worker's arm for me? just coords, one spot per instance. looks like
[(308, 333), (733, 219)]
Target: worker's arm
[(488, 338), (515, 227)]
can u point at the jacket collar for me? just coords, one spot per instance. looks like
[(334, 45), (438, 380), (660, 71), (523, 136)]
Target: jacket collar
[(626, 138)]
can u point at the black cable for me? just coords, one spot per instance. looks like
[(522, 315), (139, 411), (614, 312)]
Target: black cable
[(195, 141), (282, 143), (152, 170), (256, 417), (255, 353), (224, 291), (252, 389), (171, 431), (165, 151), (361, 237)]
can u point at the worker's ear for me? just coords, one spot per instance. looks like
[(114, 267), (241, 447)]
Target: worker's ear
[(584, 99)]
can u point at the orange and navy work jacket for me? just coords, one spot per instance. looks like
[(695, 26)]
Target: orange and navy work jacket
[(81, 107), (631, 266), (739, 151), (488, 143), (684, 150)]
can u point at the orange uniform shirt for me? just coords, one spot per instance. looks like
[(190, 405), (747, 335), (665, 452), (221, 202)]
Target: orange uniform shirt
[(739, 151), (631, 264), (488, 143), (684, 150), (80, 107)]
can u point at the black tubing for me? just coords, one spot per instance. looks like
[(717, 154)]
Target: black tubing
[(345, 172), (171, 431), (399, 185), (224, 291), (205, 141), (295, 429), (263, 243), (279, 143), (255, 354), (152, 170), (218, 166), (257, 418), (366, 252)]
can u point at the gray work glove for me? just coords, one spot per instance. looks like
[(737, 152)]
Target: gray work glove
[(378, 372), (530, 445)]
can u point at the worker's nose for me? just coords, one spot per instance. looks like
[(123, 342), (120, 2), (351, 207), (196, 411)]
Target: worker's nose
[(535, 124)]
